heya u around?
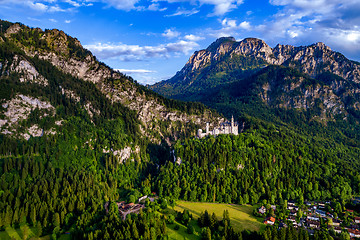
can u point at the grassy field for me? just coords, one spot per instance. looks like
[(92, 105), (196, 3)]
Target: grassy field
[(17, 235), (241, 216), (181, 233)]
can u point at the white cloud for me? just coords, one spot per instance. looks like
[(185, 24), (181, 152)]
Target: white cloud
[(129, 71), (53, 20), (230, 27), (220, 6), (37, 6), (228, 23), (155, 7), (245, 25), (56, 9), (73, 3), (170, 33), (292, 34), (193, 38), (183, 12), (126, 5), (67, 21), (353, 36), (140, 53)]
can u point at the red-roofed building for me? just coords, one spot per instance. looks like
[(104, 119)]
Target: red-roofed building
[(354, 233), (270, 221)]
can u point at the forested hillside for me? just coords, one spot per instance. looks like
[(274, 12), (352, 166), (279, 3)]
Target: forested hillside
[(71, 138), (267, 162)]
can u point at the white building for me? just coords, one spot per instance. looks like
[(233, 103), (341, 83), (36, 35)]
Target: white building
[(225, 128)]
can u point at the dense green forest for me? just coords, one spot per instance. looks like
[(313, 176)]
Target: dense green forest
[(264, 163)]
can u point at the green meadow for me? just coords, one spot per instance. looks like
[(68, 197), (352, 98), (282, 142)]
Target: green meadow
[(241, 216)]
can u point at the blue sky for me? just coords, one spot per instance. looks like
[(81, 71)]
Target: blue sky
[(152, 40)]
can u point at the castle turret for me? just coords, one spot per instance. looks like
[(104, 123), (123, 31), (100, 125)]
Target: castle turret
[(207, 128), (200, 134), (232, 121)]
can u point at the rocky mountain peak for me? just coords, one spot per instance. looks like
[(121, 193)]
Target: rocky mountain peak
[(221, 41), (308, 59), (253, 46), (314, 71), (15, 28), (321, 45)]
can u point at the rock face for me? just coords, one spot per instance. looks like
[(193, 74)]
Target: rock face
[(312, 60), (18, 109), (69, 57), (226, 61)]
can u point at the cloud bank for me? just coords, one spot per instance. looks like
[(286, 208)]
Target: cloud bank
[(127, 52)]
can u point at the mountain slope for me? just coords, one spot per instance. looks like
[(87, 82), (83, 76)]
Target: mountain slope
[(75, 135), (36, 58), (315, 76)]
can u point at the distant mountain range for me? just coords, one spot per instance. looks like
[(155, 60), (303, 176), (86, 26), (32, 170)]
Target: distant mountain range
[(312, 79)]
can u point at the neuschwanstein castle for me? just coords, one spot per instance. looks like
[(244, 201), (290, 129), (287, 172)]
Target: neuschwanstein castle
[(225, 128)]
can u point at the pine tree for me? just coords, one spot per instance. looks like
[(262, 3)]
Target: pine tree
[(15, 218), (56, 220), (226, 216), (163, 227), (213, 221), (38, 229), (206, 233), (134, 231), (33, 215)]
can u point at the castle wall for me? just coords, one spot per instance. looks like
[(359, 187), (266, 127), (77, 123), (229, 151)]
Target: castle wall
[(225, 128)]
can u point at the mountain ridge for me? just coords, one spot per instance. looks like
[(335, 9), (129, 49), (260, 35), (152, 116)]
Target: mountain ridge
[(159, 118), (227, 61)]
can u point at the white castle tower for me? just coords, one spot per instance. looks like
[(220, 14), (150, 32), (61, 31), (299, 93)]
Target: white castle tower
[(225, 128)]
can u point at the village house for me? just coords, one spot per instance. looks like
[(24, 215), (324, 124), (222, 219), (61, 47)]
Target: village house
[(292, 219), (270, 221), (321, 213), (313, 224), (262, 210), (321, 205), (313, 217), (142, 198), (335, 222), (313, 212), (125, 209), (354, 233), (337, 229), (293, 213)]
